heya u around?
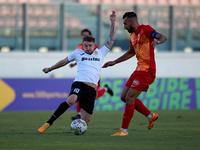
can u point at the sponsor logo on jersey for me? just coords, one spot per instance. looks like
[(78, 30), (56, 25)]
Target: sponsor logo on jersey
[(90, 59)]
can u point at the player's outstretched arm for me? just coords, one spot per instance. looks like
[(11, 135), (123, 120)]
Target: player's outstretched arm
[(59, 64), (130, 53), (111, 40)]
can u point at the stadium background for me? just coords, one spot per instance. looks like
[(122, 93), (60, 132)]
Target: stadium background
[(35, 34)]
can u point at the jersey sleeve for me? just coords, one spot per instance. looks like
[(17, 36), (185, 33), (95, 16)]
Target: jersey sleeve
[(104, 50), (131, 46), (148, 30), (132, 49), (72, 56)]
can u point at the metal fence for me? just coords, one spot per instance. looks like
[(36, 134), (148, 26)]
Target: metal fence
[(57, 27)]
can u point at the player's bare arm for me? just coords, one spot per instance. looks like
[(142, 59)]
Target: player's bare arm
[(59, 64), (111, 40), (130, 53), (160, 39)]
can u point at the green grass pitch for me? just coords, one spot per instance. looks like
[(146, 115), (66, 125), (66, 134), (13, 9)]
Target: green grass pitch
[(174, 130)]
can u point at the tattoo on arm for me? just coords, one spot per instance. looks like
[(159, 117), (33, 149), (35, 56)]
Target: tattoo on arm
[(111, 40)]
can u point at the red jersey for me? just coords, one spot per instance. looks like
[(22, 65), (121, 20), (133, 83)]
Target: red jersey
[(141, 41), (80, 46)]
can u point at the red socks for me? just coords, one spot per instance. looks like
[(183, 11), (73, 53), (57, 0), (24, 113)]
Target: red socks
[(139, 106), (77, 107), (128, 114), (100, 93)]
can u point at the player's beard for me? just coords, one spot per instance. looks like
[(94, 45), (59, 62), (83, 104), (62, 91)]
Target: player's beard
[(131, 29)]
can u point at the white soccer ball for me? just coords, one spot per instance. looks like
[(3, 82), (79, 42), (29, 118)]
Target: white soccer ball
[(78, 127)]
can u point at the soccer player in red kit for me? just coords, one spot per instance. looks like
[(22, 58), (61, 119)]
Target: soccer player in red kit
[(142, 45), (100, 92)]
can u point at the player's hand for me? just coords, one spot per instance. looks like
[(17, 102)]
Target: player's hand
[(45, 70), (72, 65), (109, 63), (154, 43), (113, 16)]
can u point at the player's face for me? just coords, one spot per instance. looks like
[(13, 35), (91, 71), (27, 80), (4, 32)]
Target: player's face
[(129, 25), (84, 34), (88, 47)]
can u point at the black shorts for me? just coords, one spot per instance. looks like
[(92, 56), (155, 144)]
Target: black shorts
[(86, 95)]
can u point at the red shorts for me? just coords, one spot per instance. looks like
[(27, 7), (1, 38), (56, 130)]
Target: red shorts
[(140, 80)]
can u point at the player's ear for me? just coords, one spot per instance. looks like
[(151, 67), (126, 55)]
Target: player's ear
[(132, 22), (93, 44)]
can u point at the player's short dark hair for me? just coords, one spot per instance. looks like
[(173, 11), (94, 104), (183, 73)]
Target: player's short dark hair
[(89, 39), (86, 30), (130, 15)]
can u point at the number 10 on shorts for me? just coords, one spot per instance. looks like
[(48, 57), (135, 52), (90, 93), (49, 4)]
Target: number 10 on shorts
[(76, 90)]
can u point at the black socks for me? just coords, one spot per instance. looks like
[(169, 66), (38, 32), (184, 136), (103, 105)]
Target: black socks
[(60, 110)]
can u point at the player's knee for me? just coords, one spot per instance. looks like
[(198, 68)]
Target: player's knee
[(70, 103), (129, 100), (71, 100), (123, 98)]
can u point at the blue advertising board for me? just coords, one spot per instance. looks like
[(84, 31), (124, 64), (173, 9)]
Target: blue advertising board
[(47, 94)]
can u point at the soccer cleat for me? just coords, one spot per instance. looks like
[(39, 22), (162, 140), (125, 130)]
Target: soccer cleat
[(109, 90), (43, 128), (120, 133), (78, 116), (151, 121)]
